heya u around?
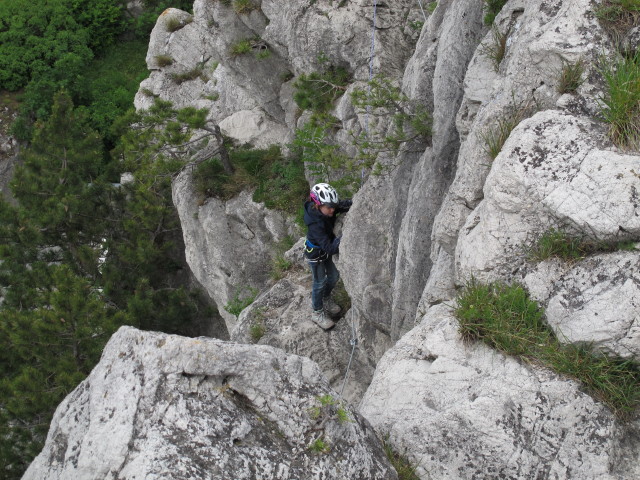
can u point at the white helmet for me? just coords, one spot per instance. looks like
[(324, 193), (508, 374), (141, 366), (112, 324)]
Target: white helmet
[(324, 194)]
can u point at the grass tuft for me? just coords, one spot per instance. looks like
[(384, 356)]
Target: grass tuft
[(506, 319), (620, 105), (495, 137), (570, 77), (257, 331), (496, 48), (559, 244), (163, 60), (172, 24), (404, 468)]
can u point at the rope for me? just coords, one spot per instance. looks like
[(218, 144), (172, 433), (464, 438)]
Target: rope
[(425, 17), (354, 339), (354, 343)]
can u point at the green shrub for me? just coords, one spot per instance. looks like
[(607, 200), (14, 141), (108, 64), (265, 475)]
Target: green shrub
[(317, 91), (492, 9), (241, 300), (506, 319), (320, 445), (620, 105), (279, 182), (570, 77), (163, 60)]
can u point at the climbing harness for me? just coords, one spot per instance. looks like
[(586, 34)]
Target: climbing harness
[(313, 253)]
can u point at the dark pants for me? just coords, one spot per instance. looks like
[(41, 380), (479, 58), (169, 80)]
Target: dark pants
[(325, 276)]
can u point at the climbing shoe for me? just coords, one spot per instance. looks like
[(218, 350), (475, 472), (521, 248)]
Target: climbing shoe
[(319, 318), (330, 307)]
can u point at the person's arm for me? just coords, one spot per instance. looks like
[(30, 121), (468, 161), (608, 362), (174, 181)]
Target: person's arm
[(318, 235)]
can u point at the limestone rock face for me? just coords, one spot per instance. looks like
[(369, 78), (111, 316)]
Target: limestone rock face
[(595, 301), (388, 230), (281, 317), (467, 411), (161, 406), (229, 244), (554, 171), (540, 36)]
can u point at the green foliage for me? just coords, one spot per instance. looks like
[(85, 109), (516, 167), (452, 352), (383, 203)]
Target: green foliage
[(404, 468), (107, 87), (491, 9), (241, 300), (44, 39), (620, 105), (431, 7), (279, 182), (496, 48), (242, 47), (570, 77), (556, 243), (257, 331), (322, 157), (506, 319), (243, 7), (410, 120), (263, 54), (320, 445), (317, 91)]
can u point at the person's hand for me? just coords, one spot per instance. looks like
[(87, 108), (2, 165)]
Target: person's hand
[(345, 203)]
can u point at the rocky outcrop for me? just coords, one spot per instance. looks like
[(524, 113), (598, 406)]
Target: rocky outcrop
[(281, 317), (229, 244), (466, 411), (555, 171), (159, 406)]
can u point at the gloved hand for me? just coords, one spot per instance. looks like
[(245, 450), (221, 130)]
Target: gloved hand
[(345, 204)]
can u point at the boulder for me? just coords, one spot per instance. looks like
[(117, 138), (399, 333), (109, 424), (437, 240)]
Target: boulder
[(466, 411), (595, 301), (163, 406)]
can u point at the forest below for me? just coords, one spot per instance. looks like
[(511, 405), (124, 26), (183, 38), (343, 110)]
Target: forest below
[(81, 254)]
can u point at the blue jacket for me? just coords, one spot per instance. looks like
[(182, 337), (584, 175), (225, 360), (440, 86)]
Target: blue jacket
[(320, 227)]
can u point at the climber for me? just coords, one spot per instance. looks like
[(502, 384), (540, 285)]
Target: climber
[(320, 246)]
